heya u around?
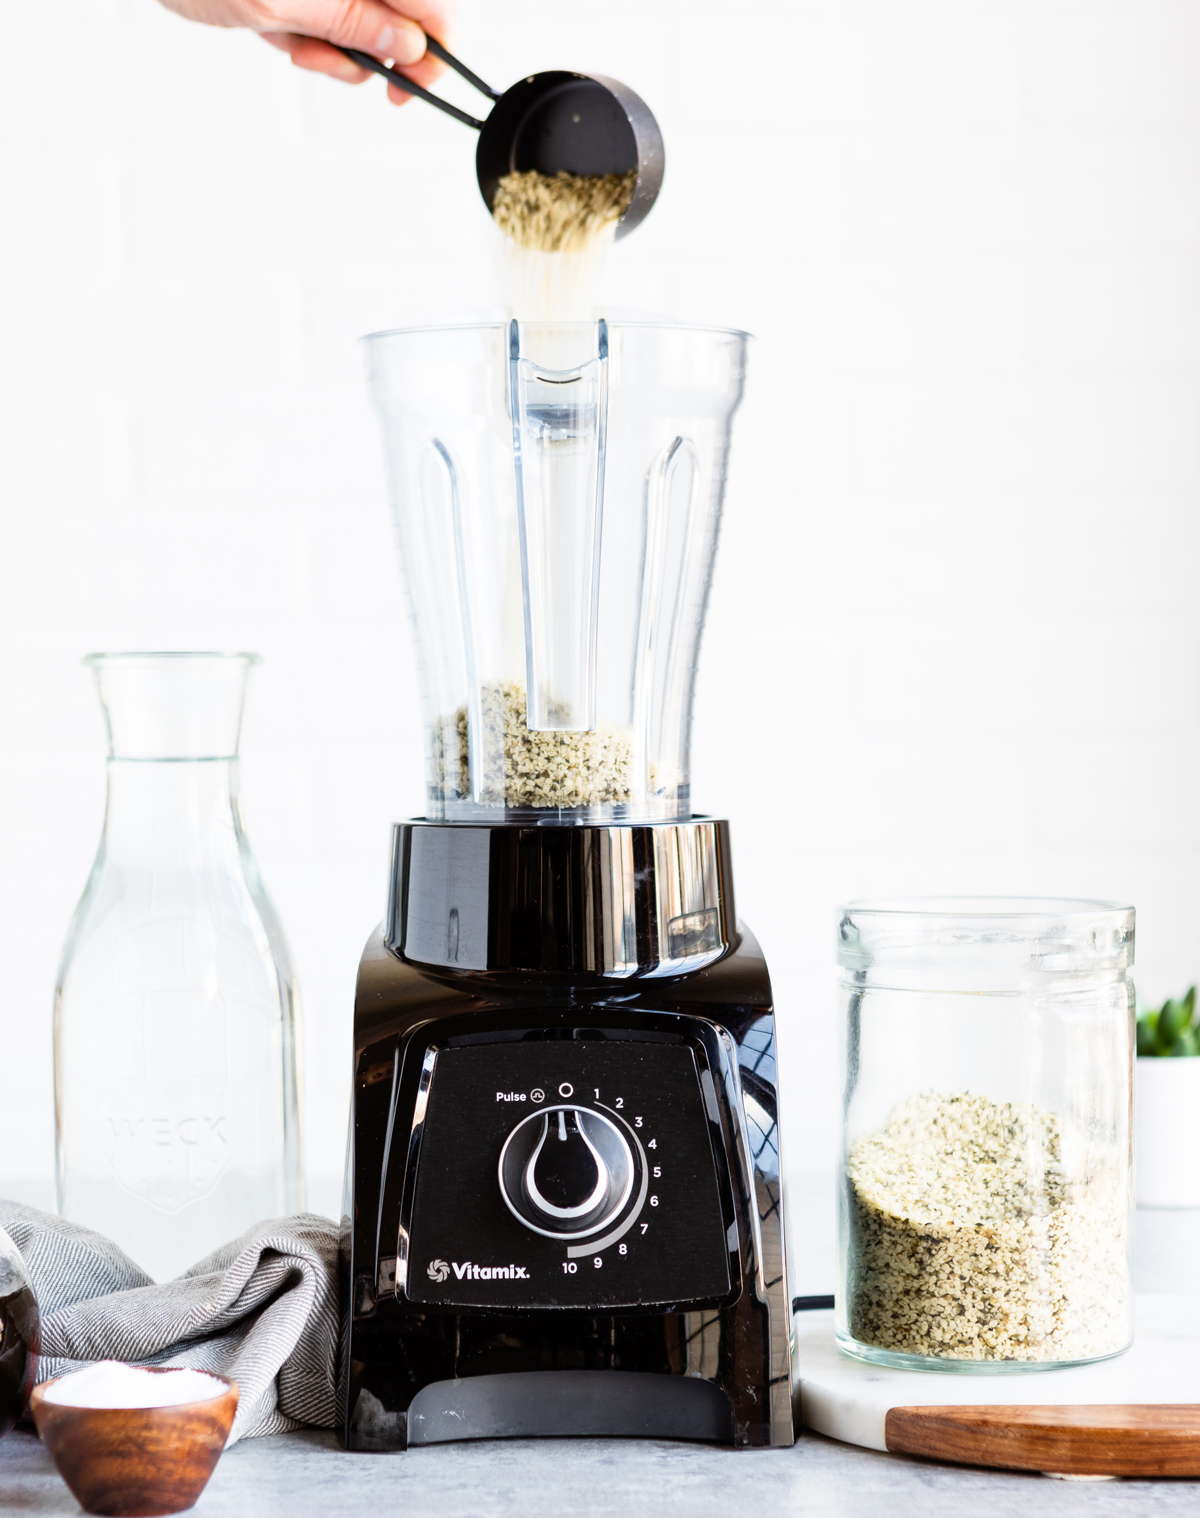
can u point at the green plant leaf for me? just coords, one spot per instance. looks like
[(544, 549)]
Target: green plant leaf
[(1146, 1042), (1173, 1030), (1185, 1045), (1172, 1020)]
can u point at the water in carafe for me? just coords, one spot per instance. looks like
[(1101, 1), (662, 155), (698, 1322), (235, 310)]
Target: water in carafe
[(176, 1009)]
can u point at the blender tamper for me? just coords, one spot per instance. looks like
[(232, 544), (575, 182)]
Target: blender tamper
[(550, 122)]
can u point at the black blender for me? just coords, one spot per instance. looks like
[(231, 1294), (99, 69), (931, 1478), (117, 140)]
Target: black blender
[(563, 1212), (563, 1179)]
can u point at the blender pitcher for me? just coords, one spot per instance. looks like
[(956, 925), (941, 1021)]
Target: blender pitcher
[(556, 492)]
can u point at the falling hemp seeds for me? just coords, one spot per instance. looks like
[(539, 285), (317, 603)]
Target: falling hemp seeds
[(558, 233), (557, 230), (968, 1241), (562, 213)]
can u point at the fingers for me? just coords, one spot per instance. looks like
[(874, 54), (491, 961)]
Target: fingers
[(371, 26), (391, 31), (436, 17), (378, 28), (423, 73), (320, 57)]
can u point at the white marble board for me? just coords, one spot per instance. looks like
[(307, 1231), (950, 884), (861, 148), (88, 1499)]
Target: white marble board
[(848, 1399)]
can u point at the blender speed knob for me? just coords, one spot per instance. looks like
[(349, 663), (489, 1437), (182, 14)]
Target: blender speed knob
[(566, 1172)]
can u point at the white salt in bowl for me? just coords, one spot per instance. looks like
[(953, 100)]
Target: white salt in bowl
[(134, 1442)]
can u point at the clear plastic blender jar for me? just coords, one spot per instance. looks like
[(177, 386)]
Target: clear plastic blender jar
[(556, 493)]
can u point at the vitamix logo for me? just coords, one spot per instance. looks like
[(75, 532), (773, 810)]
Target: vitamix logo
[(438, 1270)]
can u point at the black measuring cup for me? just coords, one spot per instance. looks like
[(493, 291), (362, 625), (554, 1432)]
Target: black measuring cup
[(559, 120)]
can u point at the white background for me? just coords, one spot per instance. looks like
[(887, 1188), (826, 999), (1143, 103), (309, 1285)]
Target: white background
[(955, 631)]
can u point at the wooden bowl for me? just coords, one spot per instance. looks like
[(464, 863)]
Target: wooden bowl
[(136, 1462)]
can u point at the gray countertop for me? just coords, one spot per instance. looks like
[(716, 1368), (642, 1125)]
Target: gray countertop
[(305, 1473)]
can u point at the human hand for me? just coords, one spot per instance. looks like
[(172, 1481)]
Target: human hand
[(309, 29)]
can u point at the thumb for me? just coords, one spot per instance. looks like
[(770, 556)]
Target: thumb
[(370, 26)]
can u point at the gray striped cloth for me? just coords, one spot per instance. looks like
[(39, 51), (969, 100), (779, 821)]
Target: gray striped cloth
[(262, 1309)]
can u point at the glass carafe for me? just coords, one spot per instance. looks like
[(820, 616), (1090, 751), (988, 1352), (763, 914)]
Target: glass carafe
[(556, 492), (176, 1008)]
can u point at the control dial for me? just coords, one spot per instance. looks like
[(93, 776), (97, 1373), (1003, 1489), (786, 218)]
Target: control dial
[(566, 1172)]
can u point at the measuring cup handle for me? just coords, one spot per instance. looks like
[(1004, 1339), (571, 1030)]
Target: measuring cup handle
[(438, 51), (403, 82)]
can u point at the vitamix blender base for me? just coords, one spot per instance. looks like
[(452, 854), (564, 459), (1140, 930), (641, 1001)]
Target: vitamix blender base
[(564, 1211), (566, 1193)]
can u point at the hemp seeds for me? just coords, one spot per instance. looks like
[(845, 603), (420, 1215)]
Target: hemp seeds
[(558, 232), (561, 213), (968, 1243), (527, 768)]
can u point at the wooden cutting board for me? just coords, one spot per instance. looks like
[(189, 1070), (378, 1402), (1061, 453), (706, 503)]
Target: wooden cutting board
[(1136, 1415)]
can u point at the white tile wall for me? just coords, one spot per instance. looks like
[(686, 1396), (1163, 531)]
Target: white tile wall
[(955, 634)]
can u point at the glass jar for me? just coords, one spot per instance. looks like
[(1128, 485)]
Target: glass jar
[(556, 492), (985, 1209), (176, 1009)]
